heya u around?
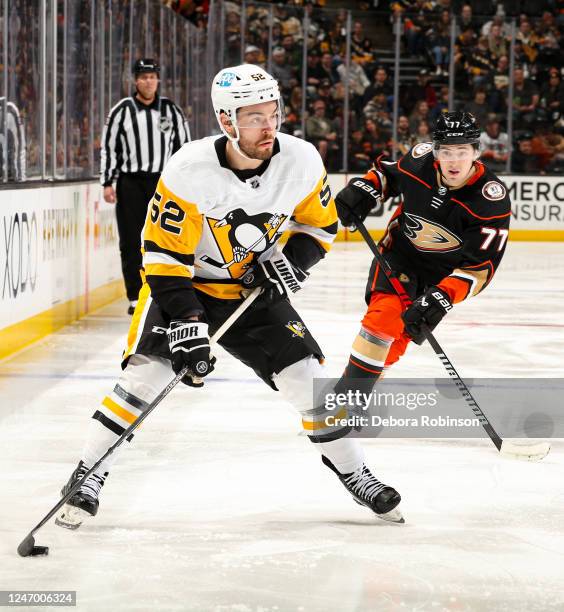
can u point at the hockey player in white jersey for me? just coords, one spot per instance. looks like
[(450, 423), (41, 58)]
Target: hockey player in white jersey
[(212, 232)]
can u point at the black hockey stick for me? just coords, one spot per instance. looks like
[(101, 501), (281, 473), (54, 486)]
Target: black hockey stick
[(530, 452), (27, 547)]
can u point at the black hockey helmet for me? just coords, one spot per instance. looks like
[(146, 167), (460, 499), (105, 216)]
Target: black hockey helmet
[(457, 127), (146, 64)]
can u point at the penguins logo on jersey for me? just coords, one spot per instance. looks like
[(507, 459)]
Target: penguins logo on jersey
[(428, 236), (297, 328), (240, 236)]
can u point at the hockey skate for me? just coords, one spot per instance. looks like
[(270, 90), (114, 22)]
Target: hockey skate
[(368, 491), (84, 502)]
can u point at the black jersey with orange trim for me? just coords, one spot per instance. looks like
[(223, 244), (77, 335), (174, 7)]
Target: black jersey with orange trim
[(207, 224), (453, 238)]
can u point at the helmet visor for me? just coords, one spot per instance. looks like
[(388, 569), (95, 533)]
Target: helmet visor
[(454, 153), (259, 119)]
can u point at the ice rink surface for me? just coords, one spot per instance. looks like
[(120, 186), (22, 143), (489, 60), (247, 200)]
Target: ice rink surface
[(220, 505)]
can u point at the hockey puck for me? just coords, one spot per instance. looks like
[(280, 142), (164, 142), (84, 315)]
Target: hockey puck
[(39, 551)]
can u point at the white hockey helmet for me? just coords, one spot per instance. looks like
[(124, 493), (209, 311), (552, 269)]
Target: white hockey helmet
[(239, 86)]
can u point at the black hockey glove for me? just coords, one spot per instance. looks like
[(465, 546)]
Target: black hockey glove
[(278, 277), (190, 346), (428, 308), (358, 198)]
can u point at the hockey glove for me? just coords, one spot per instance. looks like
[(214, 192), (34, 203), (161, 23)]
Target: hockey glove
[(190, 346), (429, 309), (278, 277), (358, 198)]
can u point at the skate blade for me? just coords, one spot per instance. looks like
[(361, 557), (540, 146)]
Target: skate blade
[(71, 517), (393, 516)]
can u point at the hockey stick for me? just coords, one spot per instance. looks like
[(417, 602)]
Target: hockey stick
[(527, 451), (27, 546)]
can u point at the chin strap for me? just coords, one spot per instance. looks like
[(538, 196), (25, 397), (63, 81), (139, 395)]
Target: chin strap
[(235, 140)]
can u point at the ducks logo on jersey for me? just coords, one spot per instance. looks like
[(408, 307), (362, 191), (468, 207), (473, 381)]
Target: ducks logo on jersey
[(240, 236), (428, 236)]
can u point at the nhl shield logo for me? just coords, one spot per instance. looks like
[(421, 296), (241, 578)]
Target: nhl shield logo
[(165, 124), (297, 328)]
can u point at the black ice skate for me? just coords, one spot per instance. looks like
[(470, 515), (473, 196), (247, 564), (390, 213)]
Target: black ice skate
[(368, 491), (84, 502)]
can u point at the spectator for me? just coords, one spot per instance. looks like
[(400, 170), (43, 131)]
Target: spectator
[(336, 43), (294, 52), (420, 90), (465, 43), (495, 146), (540, 144), (466, 20), (422, 133), (358, 82), (282, 71), (371, 130), (404, 140), (497, 84), (479, 107), (525, 98), (438, 40), (377, 110), (528, 38), (552, 96), (419, 113), (290, 23), (548, 40), (442, 105), (415, 27), (233, 34), (253, 55), (315, 71), (324, 94), (359, 159), (498, 20), (322, 133), (523, 160), (480, 63), (556, 166), (498, 44), (381, 84), (326, 68), (361, 46), (294, 101)]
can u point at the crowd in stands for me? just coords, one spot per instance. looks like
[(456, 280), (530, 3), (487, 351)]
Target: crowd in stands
[(481, 70)]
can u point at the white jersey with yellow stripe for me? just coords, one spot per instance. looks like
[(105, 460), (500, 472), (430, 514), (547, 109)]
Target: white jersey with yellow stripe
[(206, 225)]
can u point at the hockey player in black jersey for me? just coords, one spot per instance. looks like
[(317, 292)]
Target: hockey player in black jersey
[(444, 242)]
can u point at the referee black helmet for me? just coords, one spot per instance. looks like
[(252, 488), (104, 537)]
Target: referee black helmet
[(145, 64)]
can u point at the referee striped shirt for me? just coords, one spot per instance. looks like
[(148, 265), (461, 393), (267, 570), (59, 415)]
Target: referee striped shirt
[(12, 142), (141, 138)]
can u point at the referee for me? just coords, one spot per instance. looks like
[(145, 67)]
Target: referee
[(141, 134)]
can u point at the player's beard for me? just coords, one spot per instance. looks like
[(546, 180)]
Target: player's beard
[(254, 151)]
